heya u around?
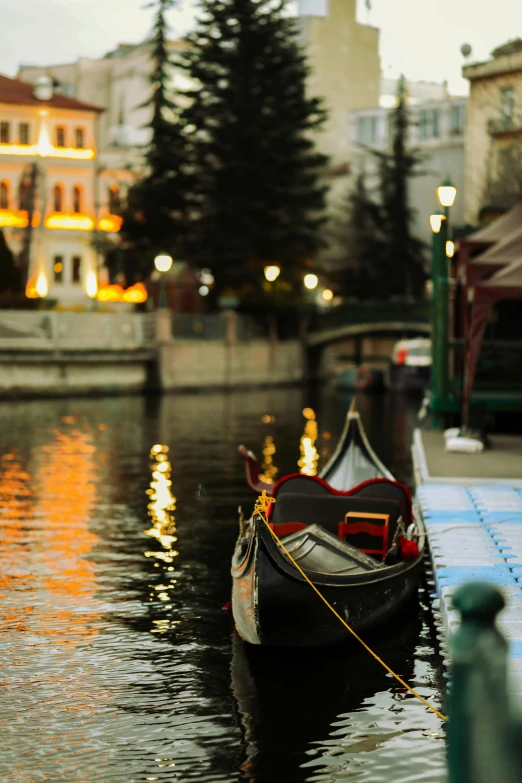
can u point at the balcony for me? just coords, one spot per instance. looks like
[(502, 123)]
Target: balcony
[(505, 126)]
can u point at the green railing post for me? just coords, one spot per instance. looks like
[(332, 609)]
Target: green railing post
[(482, 734), (439, 367)]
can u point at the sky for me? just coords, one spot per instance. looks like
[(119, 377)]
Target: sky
[(420, 38)]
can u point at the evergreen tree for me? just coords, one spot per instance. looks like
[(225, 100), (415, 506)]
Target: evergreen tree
[(388, 259), (10, 277), (250, 122), (154, 220)]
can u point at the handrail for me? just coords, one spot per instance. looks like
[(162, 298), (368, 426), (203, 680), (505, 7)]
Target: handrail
[(484, 736)]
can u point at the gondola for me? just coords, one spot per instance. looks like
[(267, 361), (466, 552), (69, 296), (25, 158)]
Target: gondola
[(352, 530)]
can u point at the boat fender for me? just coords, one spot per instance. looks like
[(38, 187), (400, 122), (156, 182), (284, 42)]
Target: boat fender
[(363, 378), (408, 549)]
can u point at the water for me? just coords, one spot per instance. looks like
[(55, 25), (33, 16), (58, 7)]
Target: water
[(118, 662)]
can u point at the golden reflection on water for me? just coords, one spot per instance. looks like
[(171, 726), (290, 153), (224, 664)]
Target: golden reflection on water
[(309, 453), (162, 505), (268, 468)]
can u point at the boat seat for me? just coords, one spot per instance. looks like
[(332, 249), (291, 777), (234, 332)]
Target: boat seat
[(345, 516)]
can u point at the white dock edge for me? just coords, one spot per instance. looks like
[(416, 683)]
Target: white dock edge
[(474, 529)]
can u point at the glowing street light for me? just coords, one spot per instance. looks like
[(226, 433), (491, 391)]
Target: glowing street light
[(446, 193), (450, 248), (327, 295), (42, 286), (311, 281), (163, 263), (91, 284), (272, 272), (436, 222), (204, 290)]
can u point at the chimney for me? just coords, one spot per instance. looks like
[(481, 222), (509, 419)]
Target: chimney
[(43, 89)]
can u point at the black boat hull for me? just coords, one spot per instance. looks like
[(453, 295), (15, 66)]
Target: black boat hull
[(275, 609)]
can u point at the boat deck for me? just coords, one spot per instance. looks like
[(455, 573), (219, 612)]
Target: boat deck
[(472, 509)]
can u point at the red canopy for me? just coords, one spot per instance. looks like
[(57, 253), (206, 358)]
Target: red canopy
[(505, 284), (499, 255)]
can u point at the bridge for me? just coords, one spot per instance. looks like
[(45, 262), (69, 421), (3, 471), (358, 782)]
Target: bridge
[(359, 319)]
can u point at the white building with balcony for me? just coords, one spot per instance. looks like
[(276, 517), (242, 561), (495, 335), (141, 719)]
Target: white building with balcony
[(437, 132), (49, 178)]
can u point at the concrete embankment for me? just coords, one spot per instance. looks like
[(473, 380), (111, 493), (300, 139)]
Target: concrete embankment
[(60, 354)]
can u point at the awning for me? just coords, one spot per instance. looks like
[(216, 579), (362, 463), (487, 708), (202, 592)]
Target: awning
[(505, 284), (496, 257), (497, 230)]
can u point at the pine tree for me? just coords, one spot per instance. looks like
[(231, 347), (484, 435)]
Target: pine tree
[(386, 258), (155, 218), (250, 124), (10, 276)]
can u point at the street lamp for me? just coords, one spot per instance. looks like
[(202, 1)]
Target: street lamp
[(311, 281), (443, 248), (272, 273), (327, 295), (163, 263)]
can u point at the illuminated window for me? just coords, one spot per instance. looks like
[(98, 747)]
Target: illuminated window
[(114, 200), (77, 199), (4, 195), (76, 269), (58, 198), (24, 194), (58, 269), (60, 136), (78, 138), (23, 133), (4, 132)]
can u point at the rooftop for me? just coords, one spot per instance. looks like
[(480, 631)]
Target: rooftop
[(15, 91)]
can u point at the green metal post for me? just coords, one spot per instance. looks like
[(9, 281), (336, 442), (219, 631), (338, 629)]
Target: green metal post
[(483, 734), (437, 366), (163, 294)]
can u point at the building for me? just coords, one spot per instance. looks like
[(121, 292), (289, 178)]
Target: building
[(494, 132), (117, 82), (438, 128), (49, 176), (345, 69)]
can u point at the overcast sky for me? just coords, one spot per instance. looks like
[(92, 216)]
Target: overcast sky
[(420, 38)]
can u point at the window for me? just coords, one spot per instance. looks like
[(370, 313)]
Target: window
[(58, 198), (457, 120), (114, 200), (58, 269), (24, 194), (507, 106), (76, 269), (4, 132), (429, 124), (60, 136), (77, 199), (4, 195), (367, 130), (23, 133), (78, 138)]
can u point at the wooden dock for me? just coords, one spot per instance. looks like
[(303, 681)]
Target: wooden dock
[(472, 508)]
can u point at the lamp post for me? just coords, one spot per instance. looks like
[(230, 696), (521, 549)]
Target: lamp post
[(446, 194), (163, 263)]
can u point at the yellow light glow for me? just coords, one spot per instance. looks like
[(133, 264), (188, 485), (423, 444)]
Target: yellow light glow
[(311, 281), (450, 248), (69, 221), (135, 294), (10, 218), (110, 223), (272, 273), (269, 470), (309, 414), (30, 289), (91, 284), (42, 287), (436, 222), (309, 454), (163, 263), (58, 267), (446, 194), (110, 293), (327, 295), (45, 150)]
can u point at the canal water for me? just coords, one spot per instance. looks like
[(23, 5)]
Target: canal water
[(118, 662)]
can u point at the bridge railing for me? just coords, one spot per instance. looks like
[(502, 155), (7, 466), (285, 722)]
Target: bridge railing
[(484, 734), (371, 311)]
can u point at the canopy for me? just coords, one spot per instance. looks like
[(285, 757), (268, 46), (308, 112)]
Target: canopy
[(499, 255), (500, 228), (505, 284)]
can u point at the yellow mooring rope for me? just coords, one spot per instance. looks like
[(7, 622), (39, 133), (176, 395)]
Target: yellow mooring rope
[(260, 508)]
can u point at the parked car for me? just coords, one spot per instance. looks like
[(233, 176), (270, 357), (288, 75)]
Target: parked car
[(410, 368)]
